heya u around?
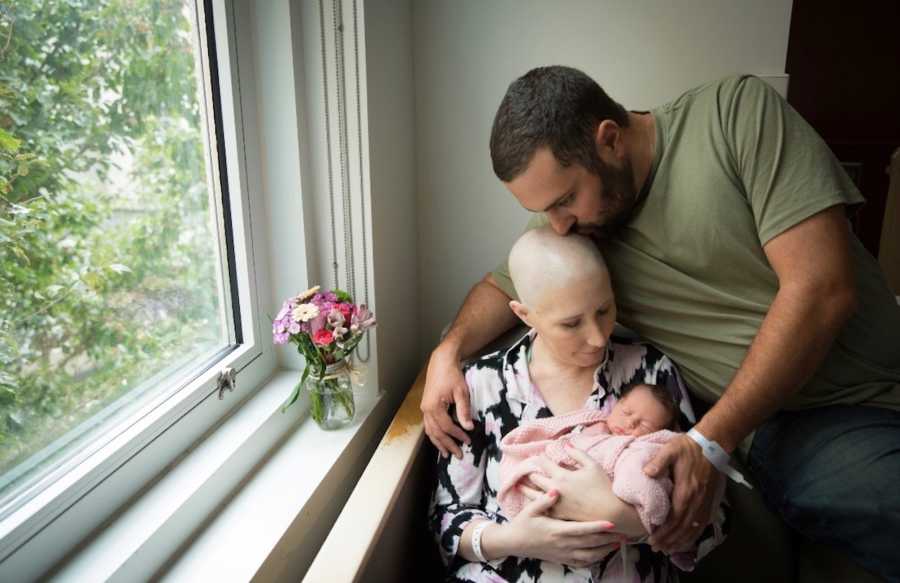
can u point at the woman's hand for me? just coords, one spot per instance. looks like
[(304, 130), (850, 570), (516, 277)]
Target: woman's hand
[(585, 493), (535, 535)]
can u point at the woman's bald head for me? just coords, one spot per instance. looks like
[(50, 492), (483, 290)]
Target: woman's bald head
[(542, 262)]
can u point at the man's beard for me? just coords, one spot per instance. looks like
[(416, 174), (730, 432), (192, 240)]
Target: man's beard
[(620, 201)]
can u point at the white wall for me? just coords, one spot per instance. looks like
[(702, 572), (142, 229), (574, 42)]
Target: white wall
[(389, 92), (466, 52)]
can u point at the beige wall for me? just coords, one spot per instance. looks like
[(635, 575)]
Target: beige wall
[(466, 52)]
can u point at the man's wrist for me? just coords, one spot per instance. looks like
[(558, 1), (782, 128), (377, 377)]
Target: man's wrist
[(448, 349), (712, 451), (718, 433)]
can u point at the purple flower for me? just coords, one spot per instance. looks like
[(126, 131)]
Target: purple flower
[(281, 338), (285, 310)]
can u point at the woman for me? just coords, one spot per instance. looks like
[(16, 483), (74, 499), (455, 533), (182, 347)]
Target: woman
[(565, 363)]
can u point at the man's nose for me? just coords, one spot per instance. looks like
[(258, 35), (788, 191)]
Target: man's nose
[(561, 222)]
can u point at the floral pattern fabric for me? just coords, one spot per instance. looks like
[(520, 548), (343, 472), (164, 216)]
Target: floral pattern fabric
[(503, 396)]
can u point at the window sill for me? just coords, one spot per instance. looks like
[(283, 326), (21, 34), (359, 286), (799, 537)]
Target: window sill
[(259, 493)]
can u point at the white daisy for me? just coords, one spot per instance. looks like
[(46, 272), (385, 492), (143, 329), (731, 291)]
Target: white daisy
[(305, 312)]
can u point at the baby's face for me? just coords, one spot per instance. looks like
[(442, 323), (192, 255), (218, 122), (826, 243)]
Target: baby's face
[(639, 413)]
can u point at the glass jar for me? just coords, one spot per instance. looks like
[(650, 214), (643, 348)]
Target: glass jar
[(331, 396)]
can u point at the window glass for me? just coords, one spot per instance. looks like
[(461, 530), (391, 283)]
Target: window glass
[(112, 283)]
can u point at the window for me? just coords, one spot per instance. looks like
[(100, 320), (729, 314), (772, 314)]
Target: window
[(126, 285)]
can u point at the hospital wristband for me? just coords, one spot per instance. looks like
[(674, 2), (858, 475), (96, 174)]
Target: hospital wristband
[(476, 540), (711, 450), (717, 456)]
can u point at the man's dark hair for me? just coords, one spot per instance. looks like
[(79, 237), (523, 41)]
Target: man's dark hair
[(662, 395), (558, 107)]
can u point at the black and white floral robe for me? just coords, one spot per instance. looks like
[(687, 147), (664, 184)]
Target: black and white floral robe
[(503, 396)]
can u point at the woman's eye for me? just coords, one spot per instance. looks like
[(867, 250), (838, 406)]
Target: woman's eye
[(571, 324), (567, 200)]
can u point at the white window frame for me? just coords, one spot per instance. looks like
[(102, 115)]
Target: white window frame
[(48, 527)]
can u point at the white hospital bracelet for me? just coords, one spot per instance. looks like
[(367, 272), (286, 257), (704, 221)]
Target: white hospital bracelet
[(711, 450), (717, 457), (476, 540)]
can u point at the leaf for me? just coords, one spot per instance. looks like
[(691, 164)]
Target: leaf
[(119, 268), (295, 394), (8, 142)]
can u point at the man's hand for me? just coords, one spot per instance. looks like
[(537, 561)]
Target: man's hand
[(695, 483), (444, 384)]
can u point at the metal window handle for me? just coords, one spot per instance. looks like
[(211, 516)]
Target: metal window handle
[(226, 380)]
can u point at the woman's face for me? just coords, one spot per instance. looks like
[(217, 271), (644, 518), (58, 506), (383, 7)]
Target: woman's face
[(576, 321), (639, 413)]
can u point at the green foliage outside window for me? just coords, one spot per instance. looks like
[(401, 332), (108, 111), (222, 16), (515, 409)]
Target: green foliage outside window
[(107, 255)]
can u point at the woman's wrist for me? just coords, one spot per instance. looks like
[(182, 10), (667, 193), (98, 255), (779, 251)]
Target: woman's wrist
[(498, 541)]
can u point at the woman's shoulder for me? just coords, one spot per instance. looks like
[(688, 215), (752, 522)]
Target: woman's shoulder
[(487, 375), (494, 363)]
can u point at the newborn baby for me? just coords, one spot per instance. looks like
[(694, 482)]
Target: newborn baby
[(622, 443)]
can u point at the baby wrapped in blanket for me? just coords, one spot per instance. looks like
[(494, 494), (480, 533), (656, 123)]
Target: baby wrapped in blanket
[(622, 443)]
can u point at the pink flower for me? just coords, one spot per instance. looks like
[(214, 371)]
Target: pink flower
[(335, 318), (317, 323), (323, 337), (346, 310), (363, 318), (281, 338)]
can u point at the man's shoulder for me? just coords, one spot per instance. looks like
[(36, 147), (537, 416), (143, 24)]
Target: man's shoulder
[(722, 92)]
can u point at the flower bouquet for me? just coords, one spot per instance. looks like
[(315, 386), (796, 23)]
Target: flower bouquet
[(326, 327)]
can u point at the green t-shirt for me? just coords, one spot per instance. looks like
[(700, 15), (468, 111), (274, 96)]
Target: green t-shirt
[(734, 167)]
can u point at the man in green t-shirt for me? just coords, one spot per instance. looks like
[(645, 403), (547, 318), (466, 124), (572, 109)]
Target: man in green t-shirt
[(722, 216)]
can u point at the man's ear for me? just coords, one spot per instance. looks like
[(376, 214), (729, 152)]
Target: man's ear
[(608, 138), (520, 310)]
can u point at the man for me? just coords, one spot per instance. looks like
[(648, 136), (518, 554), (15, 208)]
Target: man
[(722, 216)]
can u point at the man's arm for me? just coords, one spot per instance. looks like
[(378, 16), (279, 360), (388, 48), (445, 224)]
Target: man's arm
[(816, 296), (484, 315)]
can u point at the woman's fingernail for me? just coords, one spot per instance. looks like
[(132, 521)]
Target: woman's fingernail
[(553, 493), (607, 524)]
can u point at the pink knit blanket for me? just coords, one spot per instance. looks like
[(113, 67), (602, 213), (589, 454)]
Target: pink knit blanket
[(622, 457)]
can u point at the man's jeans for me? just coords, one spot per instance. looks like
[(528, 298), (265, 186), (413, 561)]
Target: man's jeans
[(833, 474)]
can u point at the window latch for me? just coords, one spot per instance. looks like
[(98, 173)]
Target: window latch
[(226, 380)]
